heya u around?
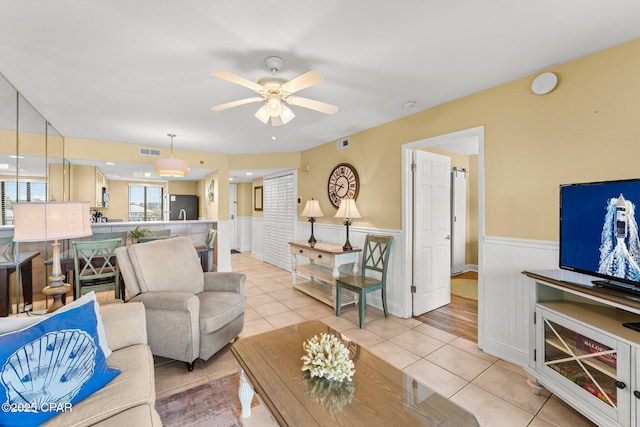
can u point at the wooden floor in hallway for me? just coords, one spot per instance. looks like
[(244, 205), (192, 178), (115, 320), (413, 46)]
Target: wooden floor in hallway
[(460, 317)]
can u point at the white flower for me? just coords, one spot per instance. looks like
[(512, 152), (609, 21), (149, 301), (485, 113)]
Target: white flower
[(327, 357)]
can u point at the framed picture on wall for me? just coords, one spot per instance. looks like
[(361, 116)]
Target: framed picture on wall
[(257, 198)]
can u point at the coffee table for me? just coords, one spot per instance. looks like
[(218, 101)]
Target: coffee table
[(379, 395)]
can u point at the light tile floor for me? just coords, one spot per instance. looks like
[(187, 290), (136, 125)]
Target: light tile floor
[(495, 391)]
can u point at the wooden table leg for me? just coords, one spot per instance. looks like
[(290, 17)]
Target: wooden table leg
[(245, 393), (5, 300), (26, 276)]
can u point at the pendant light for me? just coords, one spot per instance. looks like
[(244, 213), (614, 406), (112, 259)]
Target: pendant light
[(171, 168)]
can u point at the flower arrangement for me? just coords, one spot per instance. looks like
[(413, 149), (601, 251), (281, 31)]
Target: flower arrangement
[(327, 357)]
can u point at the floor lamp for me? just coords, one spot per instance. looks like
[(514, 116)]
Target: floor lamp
[(312, 211), (348, 210), (45, 221)]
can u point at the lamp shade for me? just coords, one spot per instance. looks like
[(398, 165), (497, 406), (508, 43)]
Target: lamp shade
[(312, 209), (38, 221), (171, 167), (348, 209)]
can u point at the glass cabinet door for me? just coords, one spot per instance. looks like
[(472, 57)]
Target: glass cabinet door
[(576, 356)]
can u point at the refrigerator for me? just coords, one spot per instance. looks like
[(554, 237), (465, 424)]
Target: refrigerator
[(178, 207)]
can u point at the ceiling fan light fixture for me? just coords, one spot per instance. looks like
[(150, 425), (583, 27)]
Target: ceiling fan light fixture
[(274, 106), (287, 115), (262, 114), (171, 168)]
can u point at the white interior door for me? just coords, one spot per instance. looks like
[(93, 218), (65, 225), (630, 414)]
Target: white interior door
[(432, 231), (233, 203)]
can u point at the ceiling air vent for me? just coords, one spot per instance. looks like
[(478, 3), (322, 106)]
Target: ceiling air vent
[(153, 152), (342, 143)]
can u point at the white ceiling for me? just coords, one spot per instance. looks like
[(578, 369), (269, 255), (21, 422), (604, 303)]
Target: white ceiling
[(134, 70)]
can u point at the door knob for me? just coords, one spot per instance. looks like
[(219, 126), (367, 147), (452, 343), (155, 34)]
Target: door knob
[(448, 237)]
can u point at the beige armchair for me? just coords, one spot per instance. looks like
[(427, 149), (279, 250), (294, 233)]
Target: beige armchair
[(190, 314)]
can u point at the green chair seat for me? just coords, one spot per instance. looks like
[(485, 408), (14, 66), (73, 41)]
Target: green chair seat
[(375, 259)]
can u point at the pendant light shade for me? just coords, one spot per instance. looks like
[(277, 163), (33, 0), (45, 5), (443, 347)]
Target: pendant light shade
[(171, 168)]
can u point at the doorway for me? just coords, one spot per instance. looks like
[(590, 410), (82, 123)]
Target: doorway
[(453, 142)]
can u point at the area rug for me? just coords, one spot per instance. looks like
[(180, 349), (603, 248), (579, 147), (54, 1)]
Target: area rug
[(212, 404), (465, 288)]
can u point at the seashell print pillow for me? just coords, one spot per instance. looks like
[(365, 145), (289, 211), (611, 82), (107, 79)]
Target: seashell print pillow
[(48, 367), (11, 324)]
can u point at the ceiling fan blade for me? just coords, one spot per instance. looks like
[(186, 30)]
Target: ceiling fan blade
[(303, 81), (312, 104), (225, 75), (237, 103)]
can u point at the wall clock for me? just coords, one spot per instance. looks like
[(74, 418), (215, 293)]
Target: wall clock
[(343, 184), (211, 191)]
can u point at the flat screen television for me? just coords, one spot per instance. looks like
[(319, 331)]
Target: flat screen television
[(599, 232)]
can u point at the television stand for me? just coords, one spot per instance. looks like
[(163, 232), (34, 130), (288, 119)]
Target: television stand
[(616, 286), (579, 348)]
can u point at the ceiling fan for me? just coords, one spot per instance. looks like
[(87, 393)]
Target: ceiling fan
[(276, 89)]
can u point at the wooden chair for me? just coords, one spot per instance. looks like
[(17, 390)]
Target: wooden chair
[(209, 241), (122, 235), (375, 258), (95, 267), (6, 247)]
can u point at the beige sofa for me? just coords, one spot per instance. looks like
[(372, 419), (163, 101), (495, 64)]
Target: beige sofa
[(190, 314), (129, 399)]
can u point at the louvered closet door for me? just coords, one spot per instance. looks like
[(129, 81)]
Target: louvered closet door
[(279, 215)]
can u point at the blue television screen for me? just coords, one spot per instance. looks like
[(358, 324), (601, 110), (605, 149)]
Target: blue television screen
[(598, 230)]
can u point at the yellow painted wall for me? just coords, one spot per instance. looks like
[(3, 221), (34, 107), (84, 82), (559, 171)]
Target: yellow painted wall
[(182, 187), (585, 130), (244, 198)]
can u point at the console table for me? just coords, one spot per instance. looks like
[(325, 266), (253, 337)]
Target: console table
[(327, 262)]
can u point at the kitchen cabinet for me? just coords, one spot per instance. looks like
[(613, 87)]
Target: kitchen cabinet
[(580, 350), (87, 183)]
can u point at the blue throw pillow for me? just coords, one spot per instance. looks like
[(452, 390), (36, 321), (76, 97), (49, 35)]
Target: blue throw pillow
[(48, 367)]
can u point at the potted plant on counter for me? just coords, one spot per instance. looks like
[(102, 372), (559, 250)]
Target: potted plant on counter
[(136, 234)]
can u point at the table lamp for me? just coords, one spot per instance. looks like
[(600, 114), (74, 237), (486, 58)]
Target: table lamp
[(347, 210), (44, 221), (312, 211)]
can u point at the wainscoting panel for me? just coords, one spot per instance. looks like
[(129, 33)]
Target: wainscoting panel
[(505, 295), (224, 245), (257, 237), (243, 237)]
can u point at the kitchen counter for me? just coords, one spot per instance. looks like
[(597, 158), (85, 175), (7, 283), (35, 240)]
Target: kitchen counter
[(134, 224)]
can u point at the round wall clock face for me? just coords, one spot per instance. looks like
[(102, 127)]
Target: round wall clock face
[(211, 191), (343, 184)]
